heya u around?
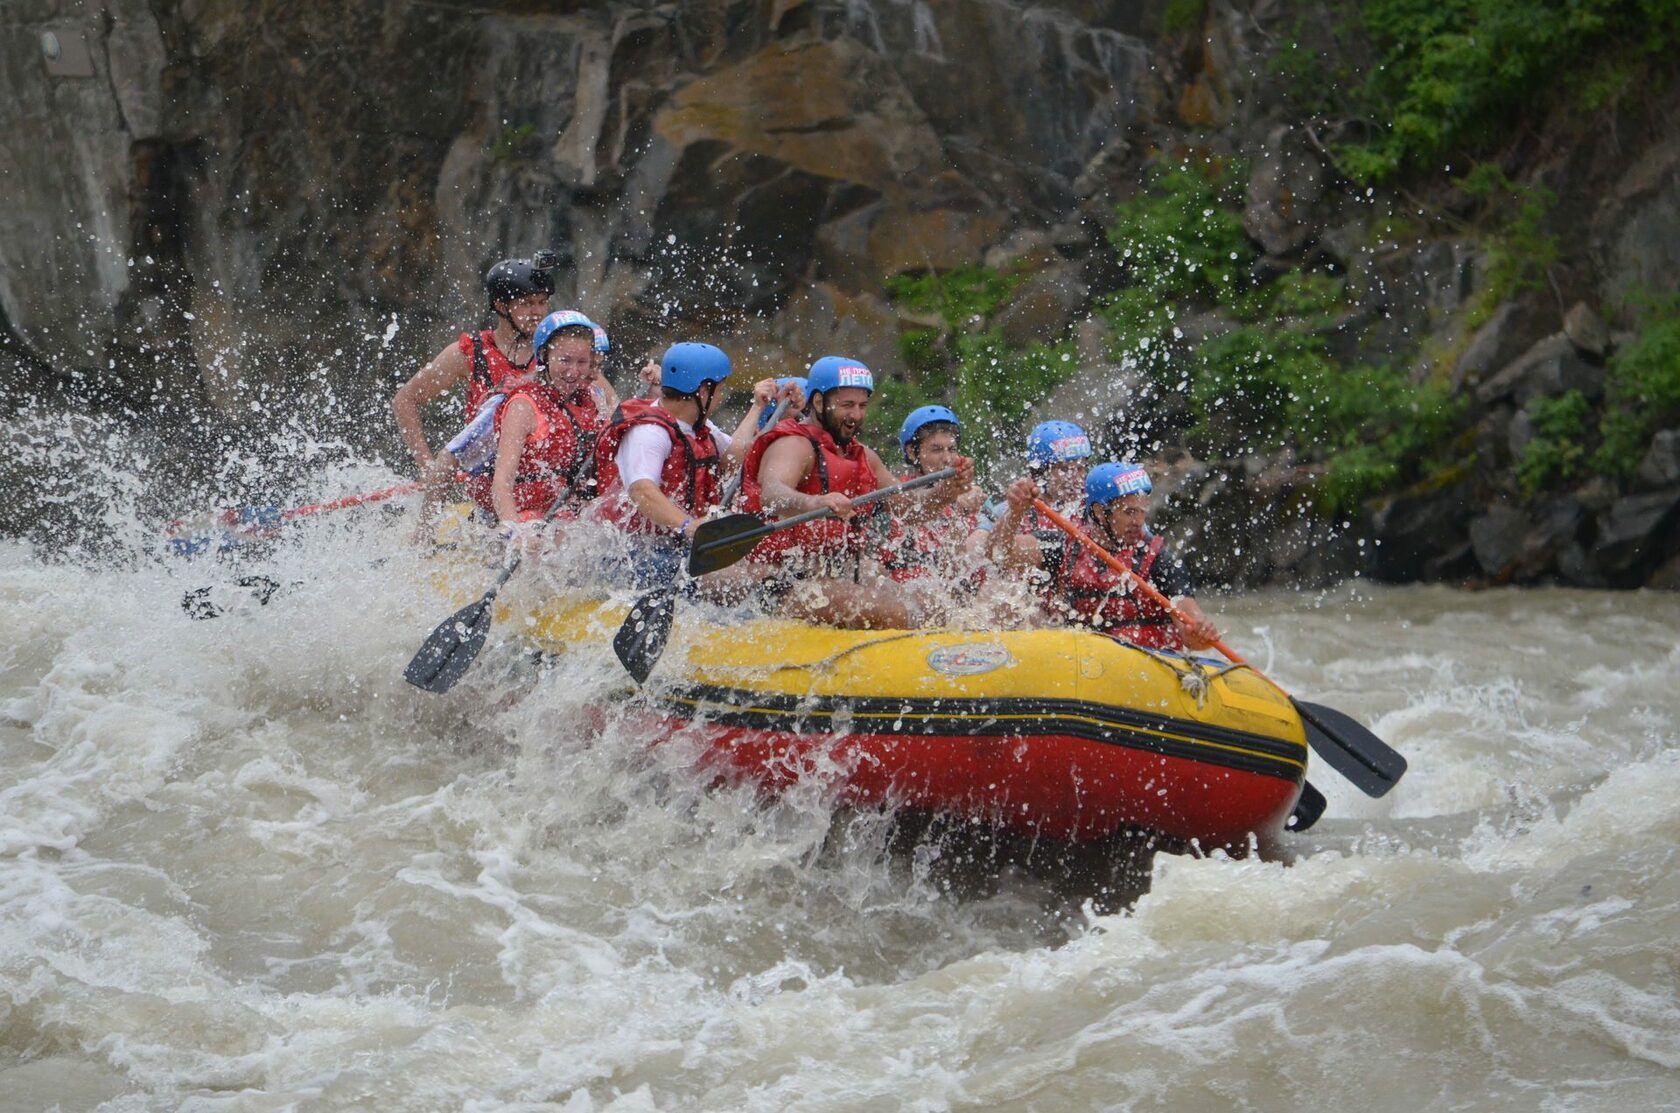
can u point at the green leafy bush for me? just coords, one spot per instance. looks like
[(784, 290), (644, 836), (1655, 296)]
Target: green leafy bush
[(1642, 389), (992, 385), (1558, 448), (1269, 381), (1521, 251), (1443, 77)]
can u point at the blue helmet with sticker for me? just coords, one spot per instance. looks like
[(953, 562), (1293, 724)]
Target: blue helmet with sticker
[(568, 318), (804, 387), (1053, 442), (1107, 482), (833, 372), (689, 366), (919, 417)]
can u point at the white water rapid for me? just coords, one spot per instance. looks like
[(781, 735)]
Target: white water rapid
[(243, 866)]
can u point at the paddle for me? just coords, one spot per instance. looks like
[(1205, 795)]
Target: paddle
[(454, 644), (256, 523), (717, 544), (723, 541), (1350, 749)]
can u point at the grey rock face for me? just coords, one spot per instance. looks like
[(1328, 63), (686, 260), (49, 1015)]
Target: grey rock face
[(1586, 330), (1549, 368), (1636, 535), (1285, 189), (1661, 465), (1411, 530)]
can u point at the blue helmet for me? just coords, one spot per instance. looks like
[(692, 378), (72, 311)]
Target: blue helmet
[(1107, 482), (1052, 442), (923, 415), (689, 366), (833, 372), (805, 387), (567, 318)]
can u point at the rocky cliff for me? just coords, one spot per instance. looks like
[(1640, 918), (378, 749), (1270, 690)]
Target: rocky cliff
[(215, 204)]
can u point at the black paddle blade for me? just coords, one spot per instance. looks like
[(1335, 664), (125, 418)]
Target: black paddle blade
[(1372, 765), (723, 541), (1308, 807), (451, 649), (646, 629)]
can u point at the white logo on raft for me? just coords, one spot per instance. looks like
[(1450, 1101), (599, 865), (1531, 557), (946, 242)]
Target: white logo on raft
[(969, 659)]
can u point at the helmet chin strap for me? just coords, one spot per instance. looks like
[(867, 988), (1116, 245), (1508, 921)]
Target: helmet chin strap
[(518, 333), (1100, 517)]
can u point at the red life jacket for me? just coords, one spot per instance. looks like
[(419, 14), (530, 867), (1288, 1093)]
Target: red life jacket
[(557, 461), (1034, 522), (1094, 592), (690, 475), (910, 552), (487, 370), (846, 471)]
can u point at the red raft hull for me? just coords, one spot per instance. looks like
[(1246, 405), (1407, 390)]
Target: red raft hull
[(1055, 786), (1056, 734)]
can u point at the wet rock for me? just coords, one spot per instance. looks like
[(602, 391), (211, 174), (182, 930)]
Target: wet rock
[(1519, 434), (1586, 330), (1506, 335), (1636, 536), (1661, 465), (1494, 437), (1644, 255), (1285, 190), (1575, 568), (1497, 538), (1560, 526), (1549, 368), (1411, 529), (1043, 307), (1667, 577)]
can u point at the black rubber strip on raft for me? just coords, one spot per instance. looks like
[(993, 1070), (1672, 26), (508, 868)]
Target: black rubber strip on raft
[(996, 718)]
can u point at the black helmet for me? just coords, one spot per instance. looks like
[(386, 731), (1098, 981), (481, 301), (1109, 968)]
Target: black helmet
[(517, 278)]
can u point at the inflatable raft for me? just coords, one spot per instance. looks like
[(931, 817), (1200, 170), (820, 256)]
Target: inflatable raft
[(1058, 732)]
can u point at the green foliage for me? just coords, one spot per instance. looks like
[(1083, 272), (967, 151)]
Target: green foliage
[(961, 296), (1522, 251), (1558, 448), (968, 365), (1183, 15), (1642, 389), (1445, 76), (1183, 237), (1270, 382)]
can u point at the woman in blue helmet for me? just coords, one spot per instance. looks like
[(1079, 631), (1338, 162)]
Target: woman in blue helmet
[(933, 542), (545, 429), (473, 450), (1082, 588)]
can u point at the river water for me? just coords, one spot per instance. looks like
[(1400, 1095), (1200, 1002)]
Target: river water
[(243, 866)]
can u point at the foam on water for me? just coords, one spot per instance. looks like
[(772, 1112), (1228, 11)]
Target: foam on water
[(243, 866)]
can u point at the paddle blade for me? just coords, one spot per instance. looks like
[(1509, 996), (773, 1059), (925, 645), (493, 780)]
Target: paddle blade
[(451, 649), (723, 541), (1369, 763), (641, 640), (1308, 807)]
